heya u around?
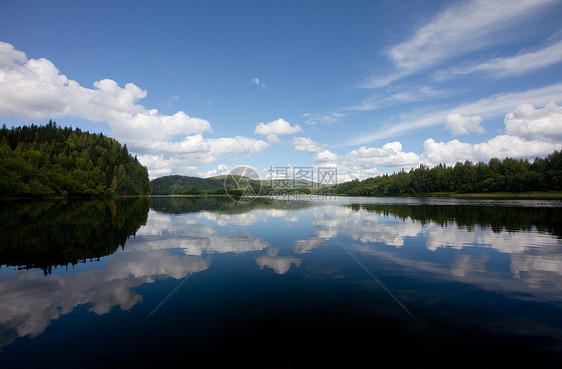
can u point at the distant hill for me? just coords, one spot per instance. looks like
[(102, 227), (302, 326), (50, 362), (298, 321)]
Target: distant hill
[(181, 185), (185, 185)]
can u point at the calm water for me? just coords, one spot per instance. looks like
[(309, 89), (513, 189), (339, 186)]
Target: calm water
[(211, 282)]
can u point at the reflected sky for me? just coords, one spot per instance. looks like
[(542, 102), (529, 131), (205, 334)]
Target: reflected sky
[(301, 241)]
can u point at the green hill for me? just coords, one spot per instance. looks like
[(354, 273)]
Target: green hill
[(181, 185), (40, 161), (185, 185)]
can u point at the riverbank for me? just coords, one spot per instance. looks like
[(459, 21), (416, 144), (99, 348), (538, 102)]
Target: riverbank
[(523, 195)]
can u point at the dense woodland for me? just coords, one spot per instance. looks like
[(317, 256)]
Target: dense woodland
[(508, 175), (38, 161)]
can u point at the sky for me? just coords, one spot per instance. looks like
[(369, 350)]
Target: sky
[(368, 87)]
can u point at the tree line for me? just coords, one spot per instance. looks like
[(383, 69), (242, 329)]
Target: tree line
[(39, 161), (508, 175)]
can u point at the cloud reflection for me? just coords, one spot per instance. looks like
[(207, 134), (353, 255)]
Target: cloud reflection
[(29, 300), (174, 246), (535, 256), (279, 264)]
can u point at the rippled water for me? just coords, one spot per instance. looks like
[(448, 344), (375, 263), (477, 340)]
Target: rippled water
[(208, 281)]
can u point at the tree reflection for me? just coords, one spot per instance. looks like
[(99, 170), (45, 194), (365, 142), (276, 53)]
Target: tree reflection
[(223, 205), (47, 234), (498, 218)]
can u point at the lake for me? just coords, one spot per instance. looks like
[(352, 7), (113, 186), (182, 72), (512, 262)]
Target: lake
[(139, 282)]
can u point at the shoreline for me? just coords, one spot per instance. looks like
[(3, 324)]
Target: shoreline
[(513, 195), (555, 195)]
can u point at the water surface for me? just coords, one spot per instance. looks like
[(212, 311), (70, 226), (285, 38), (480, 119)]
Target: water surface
[(209, 281)]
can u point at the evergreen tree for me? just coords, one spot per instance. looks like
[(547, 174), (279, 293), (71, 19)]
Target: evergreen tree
[(509, 175), (54, 161)]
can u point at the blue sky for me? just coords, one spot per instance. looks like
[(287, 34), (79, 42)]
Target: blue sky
[(370, 87)]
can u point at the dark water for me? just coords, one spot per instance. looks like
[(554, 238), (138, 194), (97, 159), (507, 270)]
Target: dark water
[(211, 282)]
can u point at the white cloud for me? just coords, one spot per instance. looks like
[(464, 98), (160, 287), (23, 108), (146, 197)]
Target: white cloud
[(325, 156), (185, 157), (530, 123), (236, 145), (35, 89), (498, 147), (463, 124), (305, 144), (530, 132), (488, 107), (276, 128), (272, 139), (460, 29), (518, 64), (389, 155), (220, 170), (259, 84), (10, 58), (313, 119), (366, 161), (159, 165)]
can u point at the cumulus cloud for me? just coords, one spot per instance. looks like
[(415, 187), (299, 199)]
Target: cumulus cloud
[(389, 155), (220, 170), (501, 146), (530, 132), (305, 144), (463, 124), (325, 156), (366, 161), (186, 156), (528, 122), (276, 128), (35, 89), (492, 106)]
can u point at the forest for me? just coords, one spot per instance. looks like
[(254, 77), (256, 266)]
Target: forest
[(508, 175), (45, 161)]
